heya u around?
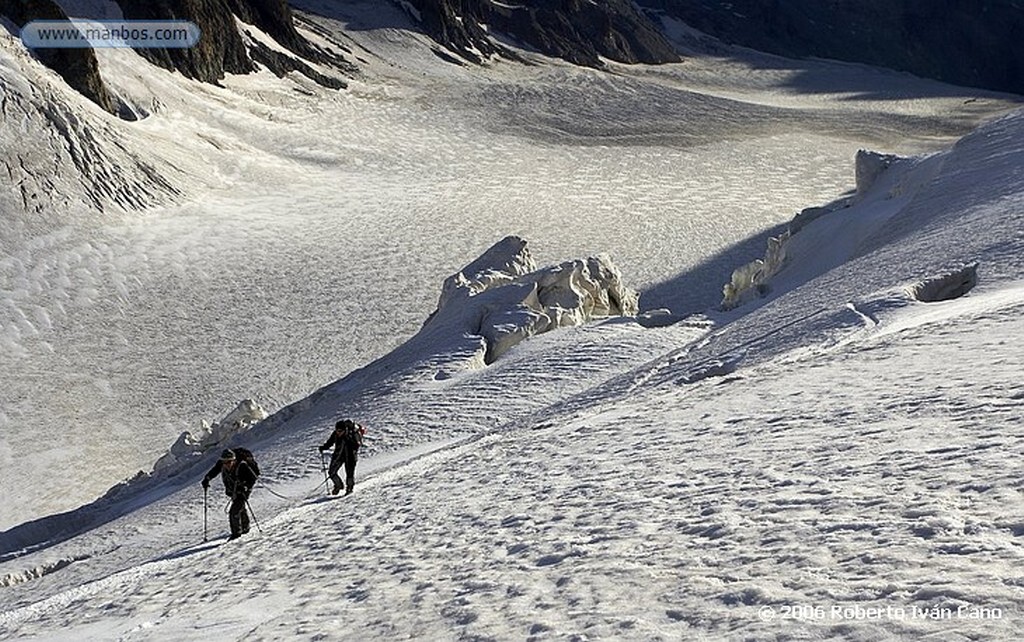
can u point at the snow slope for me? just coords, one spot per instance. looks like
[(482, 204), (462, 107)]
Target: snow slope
[(833, 461), (835, 444), (300, 233)]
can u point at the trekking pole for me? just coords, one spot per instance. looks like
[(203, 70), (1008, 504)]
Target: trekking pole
[(205, 490), (253, 513), (323, 467)]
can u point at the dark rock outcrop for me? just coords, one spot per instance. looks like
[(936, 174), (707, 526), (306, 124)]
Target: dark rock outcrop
[(273, 17), (281, 64), (78, 67), (578, 31), (974, 43), (220, 49), (458, 26)]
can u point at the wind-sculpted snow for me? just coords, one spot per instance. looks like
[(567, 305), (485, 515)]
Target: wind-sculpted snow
[(27, 576), (889, 190), (487, 308), (868, 167), (500, 265), (838, 461), (795, 497), (305, 231), (753, 279), (144, 488), (61, 158)]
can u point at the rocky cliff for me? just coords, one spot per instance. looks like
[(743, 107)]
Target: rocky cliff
[(965, 42), (220, 49), (579, 31), (974, 43), (78, 67)]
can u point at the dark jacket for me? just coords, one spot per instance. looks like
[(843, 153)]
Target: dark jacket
[(344, 440), (239, 478)]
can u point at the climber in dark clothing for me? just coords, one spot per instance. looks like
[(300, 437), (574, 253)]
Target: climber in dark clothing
[(239, 477), (346, 438)]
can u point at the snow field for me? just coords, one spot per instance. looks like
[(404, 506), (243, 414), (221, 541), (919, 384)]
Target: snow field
[(224, 269), (780, 471), (778, 486), (198, 305)]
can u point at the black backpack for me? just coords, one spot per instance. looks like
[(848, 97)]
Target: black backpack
[(353, 435), (245, 456)]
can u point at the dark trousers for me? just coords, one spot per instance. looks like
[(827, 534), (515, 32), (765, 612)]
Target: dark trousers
[(348, 458), (238, 516)]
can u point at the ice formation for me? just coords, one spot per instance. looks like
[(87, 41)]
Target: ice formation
[(505, 299), (191, 445)]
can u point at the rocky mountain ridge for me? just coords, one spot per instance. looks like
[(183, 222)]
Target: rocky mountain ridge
[(964, 42), (578, 31), (972, 43), (78, 67), (222, 48)]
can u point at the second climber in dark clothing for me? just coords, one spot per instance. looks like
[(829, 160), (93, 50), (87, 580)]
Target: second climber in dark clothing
[(346, 438), (239, 478)]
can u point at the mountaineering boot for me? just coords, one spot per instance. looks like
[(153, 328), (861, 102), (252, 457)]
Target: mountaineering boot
[(337, 489)]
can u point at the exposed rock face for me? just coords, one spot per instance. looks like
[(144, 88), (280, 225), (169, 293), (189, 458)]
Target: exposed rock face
[(273, 17), (576, 30), (458, 25), (78, 67), (974, 43), (581, 31), (223, 49), (220, 49), (281, 64)]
